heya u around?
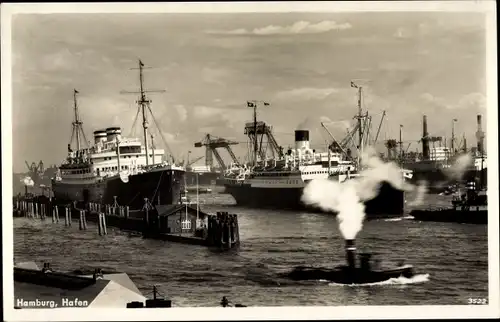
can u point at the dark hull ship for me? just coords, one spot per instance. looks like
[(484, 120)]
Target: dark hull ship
[(470, 207), (389, 201), (280, 182), (159, 186), (435, 164), (118, 170)]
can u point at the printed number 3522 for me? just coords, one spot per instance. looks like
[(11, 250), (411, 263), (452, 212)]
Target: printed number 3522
[(477, 301)]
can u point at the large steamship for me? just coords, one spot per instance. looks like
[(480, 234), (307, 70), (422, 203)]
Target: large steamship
[(279, 184), (117, 169)]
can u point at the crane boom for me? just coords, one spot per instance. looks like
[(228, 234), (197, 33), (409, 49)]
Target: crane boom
[(379, 127), (333, 139)]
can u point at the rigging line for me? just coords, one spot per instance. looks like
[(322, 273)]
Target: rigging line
[(161, 133), (158, 185), (84, 137), (132, 130), (72, 134)]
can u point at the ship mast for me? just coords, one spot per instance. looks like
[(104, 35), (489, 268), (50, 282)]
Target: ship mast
[(253, 104), (77, 124), (144, 103), (359, 117)]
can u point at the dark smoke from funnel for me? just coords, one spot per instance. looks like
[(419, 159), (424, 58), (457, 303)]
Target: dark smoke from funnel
[(303, 125)]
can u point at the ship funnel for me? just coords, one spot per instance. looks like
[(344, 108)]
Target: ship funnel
[(350, 253), (480, 135), (113, 133), (425, 140), (99, 136), (301, 139)]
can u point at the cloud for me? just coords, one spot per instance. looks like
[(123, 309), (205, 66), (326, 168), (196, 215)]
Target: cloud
[(220, 118), (181, 112), (299, 27), (475, 101), (306, 93), (472, 101)]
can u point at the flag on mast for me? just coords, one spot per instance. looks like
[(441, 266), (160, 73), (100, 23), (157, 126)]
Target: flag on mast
[(76, 92), (140, 63), (353, 85), (266, 104), (250, 104)]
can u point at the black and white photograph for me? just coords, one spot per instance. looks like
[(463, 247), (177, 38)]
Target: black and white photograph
[(250, 160)]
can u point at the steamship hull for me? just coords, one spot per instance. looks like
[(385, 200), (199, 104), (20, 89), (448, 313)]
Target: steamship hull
[(160, 186), (437, 179), (388, 203)]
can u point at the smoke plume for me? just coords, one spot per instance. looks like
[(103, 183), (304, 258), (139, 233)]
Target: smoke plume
[(27, 181), (459, 166), (421, 190), (303, 125), (346, 198)]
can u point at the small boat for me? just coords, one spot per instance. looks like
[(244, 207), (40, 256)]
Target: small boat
[(350, 274), (468, 208)]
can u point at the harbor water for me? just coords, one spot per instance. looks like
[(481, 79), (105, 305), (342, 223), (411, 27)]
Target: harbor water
[(451, 259)]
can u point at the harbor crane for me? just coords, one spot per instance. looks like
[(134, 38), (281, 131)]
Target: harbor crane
[(35, 170), (256, 132), (211, 144)]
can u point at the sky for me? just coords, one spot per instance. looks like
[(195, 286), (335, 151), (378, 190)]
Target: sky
[(209, 65)]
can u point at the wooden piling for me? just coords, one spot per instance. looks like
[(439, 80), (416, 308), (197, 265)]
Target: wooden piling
[(99, 223), (80, 220), (84, 215), (53, 215), (66, 223), (127, 211), (104, 228), (56, 208)]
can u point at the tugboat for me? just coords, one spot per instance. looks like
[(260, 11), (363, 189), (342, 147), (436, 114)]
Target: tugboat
[(470, 207), (350, 274)]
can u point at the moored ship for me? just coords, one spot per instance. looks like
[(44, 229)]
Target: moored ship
[(434, 164), (202, 176), (279, 183), (117, 169)]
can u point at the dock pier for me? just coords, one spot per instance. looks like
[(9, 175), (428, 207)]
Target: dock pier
[(177, 223)]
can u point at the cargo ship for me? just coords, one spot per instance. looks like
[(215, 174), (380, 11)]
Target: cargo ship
[(116, 169), (433, 165)]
